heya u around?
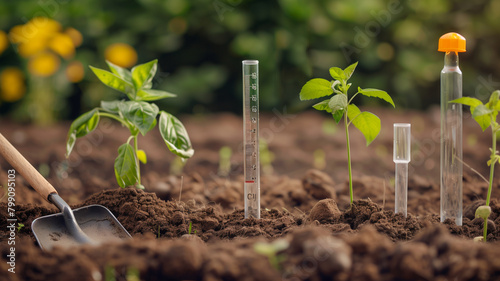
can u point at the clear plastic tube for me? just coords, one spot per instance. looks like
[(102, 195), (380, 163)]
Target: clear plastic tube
[(451, 140), (401, 157), (251, 163)]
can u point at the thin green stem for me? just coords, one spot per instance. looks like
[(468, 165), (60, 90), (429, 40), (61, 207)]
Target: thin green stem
[(348, 157), (136, 148), (492, 171)]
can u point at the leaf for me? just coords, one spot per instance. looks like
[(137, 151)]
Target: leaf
[(111, 106), (337, 74), (141, 114), (369, 125), (82, 125), (141, 155), (175, 135), (377, 94), (113, 81), (472, 102), (152, 95), (316, 88), (348, 71), (352, 111), (121, 72), (338, 102), (323, 106), (483, 120), (126, 171), (142, 74), (337, 115)]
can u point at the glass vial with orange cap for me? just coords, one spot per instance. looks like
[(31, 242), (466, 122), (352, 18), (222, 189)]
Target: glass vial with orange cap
[(451, 128)]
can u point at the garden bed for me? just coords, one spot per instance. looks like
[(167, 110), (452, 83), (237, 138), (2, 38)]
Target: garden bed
[(307, 207)]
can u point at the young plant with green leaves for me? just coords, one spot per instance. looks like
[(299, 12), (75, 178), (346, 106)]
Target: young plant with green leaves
[(341, 105), (486, 116), (137, 114)]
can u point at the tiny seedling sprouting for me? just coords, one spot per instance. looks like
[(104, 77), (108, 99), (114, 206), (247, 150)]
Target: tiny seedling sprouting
[(19, 226), (341, 105), (137, 114), (190, 228), (225, 161), (486, 116), (271, 250)]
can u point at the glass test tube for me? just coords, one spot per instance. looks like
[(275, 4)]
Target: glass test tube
[(251, 164), (401, 158), (451, 129)]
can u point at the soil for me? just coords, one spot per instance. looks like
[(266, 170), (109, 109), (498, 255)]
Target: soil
[(305, 204)]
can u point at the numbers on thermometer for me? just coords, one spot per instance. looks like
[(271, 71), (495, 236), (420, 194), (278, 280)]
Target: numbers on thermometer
[(254, 119), (254, 108)]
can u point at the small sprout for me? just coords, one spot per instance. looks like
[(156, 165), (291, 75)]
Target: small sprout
[(190, 228), (19, 226), (271, 250), (341, 105), (225, 161), (486, 116), (266, 157), (483, 212), (478, 239), (138, 114), (133, 274), (319, 159)]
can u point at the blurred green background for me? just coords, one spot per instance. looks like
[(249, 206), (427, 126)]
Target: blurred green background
[(200, 45)]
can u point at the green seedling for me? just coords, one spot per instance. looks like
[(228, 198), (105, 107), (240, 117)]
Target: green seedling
[(225, 161), (19, 226), (138, 114), (266, 157), (486, 116), (271, 250), (341, 105), (190, 228)]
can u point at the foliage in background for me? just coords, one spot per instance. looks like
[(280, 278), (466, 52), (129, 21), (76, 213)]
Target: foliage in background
[(486, 116), (341, 105), (137, 114), (200, 45)]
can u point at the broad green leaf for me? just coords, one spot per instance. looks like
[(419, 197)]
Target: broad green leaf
[(141, 155), (369, 125), (493, 102), (337, 73), (141, 114), (142, 74), (352, 111), (121, 72), (482, 115), (378, 94), (114, 81), (175, 135), (472, 102), (316, 88), (111, 106), (82, 125), (126, 171), (323, 106), (338, 102), (337, 115), (348, 71), (152, 95)]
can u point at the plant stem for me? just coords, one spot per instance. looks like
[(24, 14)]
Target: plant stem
[(136, 148), (105, 114), (348, 157), (492, 171)]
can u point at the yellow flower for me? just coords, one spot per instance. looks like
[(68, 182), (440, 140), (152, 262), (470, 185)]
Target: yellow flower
[(62, 44), (75, 72), (12, 86), (75, 35), (121, 54), (44, 64), (4, 41)]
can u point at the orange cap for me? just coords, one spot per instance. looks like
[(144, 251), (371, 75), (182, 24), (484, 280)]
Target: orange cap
[(451, 42)]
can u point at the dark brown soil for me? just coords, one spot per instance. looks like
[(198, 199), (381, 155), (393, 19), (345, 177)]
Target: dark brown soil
[(309, 208)]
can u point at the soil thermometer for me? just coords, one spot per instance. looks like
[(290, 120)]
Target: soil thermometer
[(401, 157), (451, 128), (251, 138)]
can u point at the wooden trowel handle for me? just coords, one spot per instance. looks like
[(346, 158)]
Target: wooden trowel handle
[(37, 181)]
